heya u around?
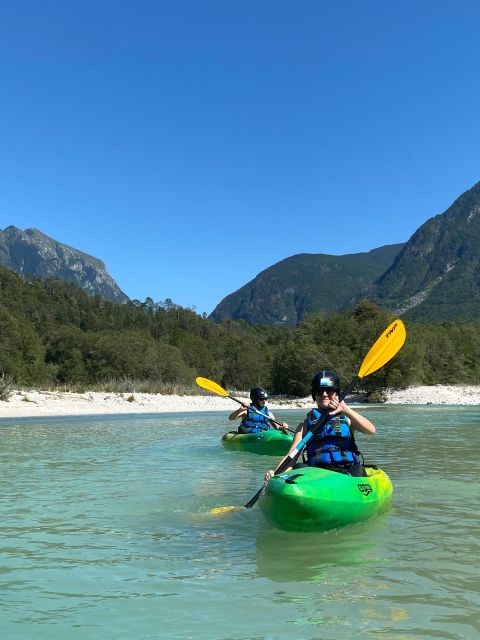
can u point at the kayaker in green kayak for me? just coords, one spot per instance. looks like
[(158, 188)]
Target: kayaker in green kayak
[(334, 446), (256, 416)]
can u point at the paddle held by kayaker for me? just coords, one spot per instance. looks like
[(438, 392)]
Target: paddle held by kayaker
[(256, 416), (334, 447)]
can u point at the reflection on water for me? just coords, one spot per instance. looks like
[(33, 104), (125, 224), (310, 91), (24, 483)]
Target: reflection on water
[(285, 557), (105, 532)]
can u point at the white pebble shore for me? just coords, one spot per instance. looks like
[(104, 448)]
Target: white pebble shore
[(57, 403)]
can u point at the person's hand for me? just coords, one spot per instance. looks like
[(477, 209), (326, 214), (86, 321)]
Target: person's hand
[(270, 473), (336, 407), (284, 427)]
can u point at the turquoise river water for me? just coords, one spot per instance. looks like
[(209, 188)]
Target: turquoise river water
[(105, 534)]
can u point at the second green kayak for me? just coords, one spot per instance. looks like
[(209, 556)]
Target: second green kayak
[(315, 499), (266, 443)]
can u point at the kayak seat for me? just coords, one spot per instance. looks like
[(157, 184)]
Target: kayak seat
[(354, 470)]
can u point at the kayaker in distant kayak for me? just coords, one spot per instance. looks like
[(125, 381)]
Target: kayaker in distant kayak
[(334, 447), (256, 416)]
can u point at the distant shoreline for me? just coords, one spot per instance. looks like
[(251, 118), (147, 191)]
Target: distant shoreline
[(56, 403)]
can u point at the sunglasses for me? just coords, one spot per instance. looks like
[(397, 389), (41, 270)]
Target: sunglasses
[(329, 392)]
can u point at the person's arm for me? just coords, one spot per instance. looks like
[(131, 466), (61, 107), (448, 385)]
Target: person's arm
[(357, 421), (284, 426), (238, 413), (296, 439)]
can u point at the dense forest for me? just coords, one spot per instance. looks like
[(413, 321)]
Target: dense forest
[(53, 334)]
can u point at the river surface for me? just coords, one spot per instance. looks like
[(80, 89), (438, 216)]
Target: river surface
[(105, 534)]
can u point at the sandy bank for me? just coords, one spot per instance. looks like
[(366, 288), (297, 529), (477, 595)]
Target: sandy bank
[(56, 403), (437, 394)]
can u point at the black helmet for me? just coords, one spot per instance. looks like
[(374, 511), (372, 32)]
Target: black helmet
[(257, 393), (325, 380)]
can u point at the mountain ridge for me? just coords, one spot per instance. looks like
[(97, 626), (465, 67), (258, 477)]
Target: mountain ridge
[(436, 275), (34, 254), (304, 283)]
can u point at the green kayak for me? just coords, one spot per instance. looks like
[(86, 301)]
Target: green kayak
[(314, 499), (265, 443)]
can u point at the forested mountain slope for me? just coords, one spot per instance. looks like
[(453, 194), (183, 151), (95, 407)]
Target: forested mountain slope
[(305, 283), (52, 333), (436, 276)]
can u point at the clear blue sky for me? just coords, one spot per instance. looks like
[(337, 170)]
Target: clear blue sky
[(190, 144)]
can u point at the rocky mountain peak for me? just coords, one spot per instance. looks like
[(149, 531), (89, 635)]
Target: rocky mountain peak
[(32, 253)]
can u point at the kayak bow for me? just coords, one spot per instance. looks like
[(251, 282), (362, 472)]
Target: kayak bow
[(316, 499), (265, 443)]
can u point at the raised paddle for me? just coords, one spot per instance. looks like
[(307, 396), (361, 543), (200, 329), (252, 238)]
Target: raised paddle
[(210, 385), (387, 345)]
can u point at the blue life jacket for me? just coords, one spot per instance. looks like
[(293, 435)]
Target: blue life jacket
[(333, 445), (254, 423)]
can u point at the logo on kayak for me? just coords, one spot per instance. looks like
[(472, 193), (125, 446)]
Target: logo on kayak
[(366, 489)]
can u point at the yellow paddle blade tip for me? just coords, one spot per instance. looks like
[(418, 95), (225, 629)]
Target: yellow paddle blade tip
[(216, 511), (387, 345), (210, 385)]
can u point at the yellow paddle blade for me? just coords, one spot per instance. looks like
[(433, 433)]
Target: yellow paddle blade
[(216, 511), (210, 385), (387, 345)]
